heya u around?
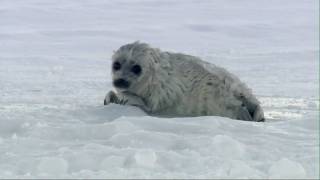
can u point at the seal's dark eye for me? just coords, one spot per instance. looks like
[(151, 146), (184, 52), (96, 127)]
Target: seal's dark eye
[(116, 66), (136, 69)]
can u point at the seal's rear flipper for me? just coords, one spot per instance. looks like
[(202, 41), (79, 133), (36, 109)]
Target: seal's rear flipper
[(253, 108), (258, 114)]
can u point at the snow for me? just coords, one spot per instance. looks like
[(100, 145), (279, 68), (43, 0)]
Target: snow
[(55, 72), (52, 166), (285, 168)]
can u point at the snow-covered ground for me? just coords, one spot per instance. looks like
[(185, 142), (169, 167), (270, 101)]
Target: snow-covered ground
[(55, 71)]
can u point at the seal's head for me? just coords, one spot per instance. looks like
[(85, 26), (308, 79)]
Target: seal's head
[(133, 67)]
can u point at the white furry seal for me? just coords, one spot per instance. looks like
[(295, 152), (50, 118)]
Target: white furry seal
[(175, 85)]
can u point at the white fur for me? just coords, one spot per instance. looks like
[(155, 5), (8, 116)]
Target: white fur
[(174, 84)]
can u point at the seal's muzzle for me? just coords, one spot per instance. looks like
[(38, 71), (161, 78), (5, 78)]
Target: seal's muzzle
[(121, 83)]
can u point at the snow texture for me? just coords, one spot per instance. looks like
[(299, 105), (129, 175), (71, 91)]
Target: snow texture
[(55, 72)]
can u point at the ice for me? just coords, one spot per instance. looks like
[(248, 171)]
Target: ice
[(146, 158), (55, 72), (228, 147), (53, 166), (112, 162), (286, 169), (241, 170)]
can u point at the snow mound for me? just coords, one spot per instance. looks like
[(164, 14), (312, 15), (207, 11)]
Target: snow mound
[(286, 169), (52, 166), (141, 146), (146, 158), (228, 147)]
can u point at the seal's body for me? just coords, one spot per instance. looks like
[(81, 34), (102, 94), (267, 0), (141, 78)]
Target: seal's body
[(178, 85)]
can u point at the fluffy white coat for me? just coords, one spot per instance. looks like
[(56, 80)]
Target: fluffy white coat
[(177, 85)]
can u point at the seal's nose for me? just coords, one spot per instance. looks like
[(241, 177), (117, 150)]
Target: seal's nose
[(121, 83)]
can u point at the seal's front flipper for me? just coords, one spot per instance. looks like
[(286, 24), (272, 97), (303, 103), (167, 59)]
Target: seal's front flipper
[(111, 97)]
